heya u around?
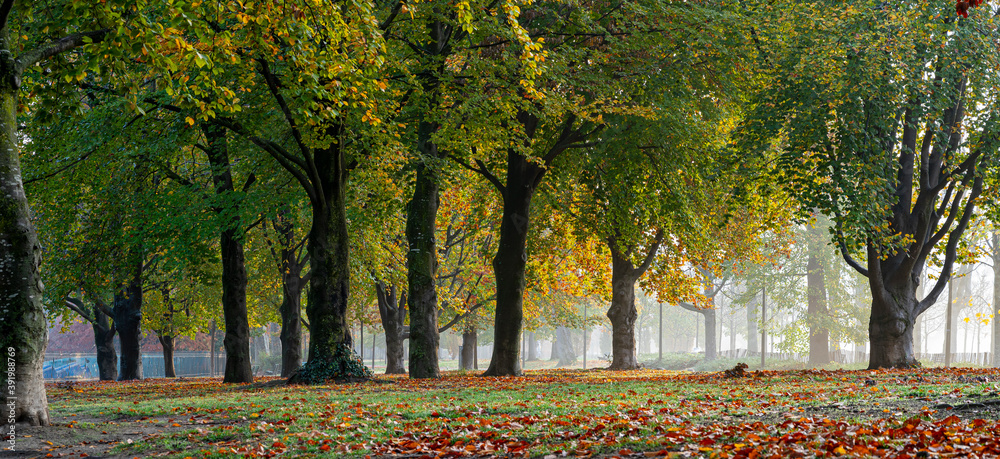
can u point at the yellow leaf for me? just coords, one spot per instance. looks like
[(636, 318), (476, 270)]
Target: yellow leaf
[(189, 120)]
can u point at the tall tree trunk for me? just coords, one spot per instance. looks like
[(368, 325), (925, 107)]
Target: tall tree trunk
[(523, 176), (23, 328), (392, 310), (234, 274), (167, 342), (623, 315), (711, 351), (563, 348), (622, 312), (104, 342), (470, 339), (330, 283), (509, 263), (291, 325), (532, 347), (128, 321), (421, 261), (330, 342), (291, 301), (816, 312)]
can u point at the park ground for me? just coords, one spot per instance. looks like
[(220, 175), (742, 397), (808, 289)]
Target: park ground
[(547, 413)]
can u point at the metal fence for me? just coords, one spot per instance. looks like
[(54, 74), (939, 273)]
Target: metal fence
[(84, 365)]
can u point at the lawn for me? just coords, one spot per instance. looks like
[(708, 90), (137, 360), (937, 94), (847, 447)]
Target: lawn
[(548, 413)]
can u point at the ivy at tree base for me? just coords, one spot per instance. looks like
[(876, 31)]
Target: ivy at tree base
[(346, 366)]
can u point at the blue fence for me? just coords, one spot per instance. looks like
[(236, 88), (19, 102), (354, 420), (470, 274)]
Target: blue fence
[(84, 365)]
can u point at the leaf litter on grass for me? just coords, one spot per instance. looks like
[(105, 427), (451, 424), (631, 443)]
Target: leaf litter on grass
[(890, 413)]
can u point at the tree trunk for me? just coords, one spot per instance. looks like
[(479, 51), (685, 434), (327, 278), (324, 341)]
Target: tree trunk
[(470, 339), (104, 341), (711, 351), (509, 263), (211, 348), (329, 285), (622, 312), (128, 321), (816, 312), (167, 342), (291, 325), (23, 327), (563, 348), (392, 310), (421, 261), (291, 301), (891, 328), (532, 347), (330, 342), (623, 315), (234, 274)]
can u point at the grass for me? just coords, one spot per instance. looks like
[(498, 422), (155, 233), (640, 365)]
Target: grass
[(546, 412)]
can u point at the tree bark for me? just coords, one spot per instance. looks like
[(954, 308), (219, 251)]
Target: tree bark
[(23, 327), (711, 343), (470, 339), (392, 311), (532, 347), (291, 301), (563, 348), (421, 261), (234, 274), (891, 329), (291, 326), (816, 311), (329, 286), (523, 176), (167, 342), (104, 341), (128, 320), (622, 312), (509, 263)]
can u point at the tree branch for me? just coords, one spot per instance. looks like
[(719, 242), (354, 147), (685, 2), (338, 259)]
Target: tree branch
[(842, 243), (273, 87), (31, 57), (951, 249), (392, 16), (289, 162), (481, 170), (459, 317), (651, 255), (76, 306)]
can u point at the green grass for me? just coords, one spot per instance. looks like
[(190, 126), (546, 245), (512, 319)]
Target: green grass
[(546, 412)]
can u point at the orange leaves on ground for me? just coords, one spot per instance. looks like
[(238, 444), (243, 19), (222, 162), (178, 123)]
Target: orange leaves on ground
[(809, 413)]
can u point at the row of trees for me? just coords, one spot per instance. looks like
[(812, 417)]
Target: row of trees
[(460, 162)]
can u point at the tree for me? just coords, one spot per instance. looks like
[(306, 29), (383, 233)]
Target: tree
[(26, 40), (891, 132), (315, 76)]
